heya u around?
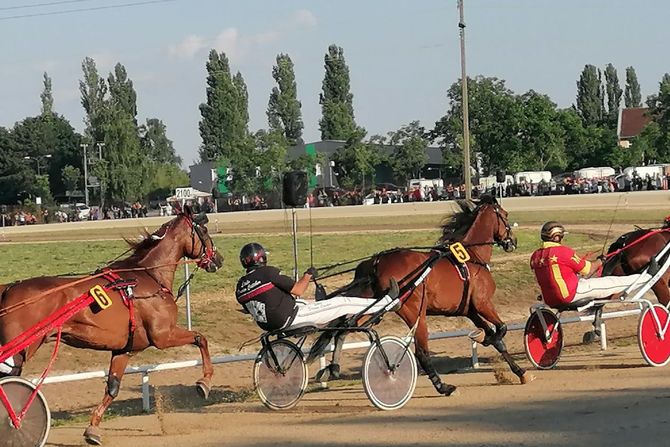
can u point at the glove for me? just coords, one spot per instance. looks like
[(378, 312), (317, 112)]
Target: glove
[(311, 272)]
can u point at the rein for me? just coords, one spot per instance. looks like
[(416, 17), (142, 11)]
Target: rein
[(640, 239), (94, 275)]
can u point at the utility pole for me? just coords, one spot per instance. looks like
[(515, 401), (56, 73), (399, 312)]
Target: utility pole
[(102, 190), (464, 102), (85, 147)]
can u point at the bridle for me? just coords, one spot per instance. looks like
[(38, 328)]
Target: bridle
[(206, 255), (507, 242)]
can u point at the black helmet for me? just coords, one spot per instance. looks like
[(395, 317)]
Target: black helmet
[(253, 255), (551, 229)]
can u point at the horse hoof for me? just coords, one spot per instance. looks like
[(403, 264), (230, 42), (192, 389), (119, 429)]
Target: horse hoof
[(334, 369), (447, 390), (477, 336), (92, 435), (322, 375), (527, 378), (590, 337), (203, 389)]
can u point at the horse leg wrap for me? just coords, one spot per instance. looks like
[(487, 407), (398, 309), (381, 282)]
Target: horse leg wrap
[(113, 386)]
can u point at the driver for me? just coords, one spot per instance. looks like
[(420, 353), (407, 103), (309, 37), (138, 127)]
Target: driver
[(560, 272), (269, 296)]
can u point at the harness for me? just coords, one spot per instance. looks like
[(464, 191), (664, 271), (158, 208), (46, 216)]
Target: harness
[(125, 289)]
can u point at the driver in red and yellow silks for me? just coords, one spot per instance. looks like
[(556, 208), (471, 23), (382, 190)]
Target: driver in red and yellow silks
[(559, 271)]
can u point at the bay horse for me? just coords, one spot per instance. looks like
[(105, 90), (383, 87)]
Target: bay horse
[(150, 318), (478, 226), (631, 253)]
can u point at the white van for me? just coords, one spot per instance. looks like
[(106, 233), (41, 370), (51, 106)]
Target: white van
[(603, 171), (642, 171), (422, 183), (532, 176)]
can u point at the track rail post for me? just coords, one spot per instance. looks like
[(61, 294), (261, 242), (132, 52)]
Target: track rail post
[(603, 336), (146, 397), (322, 365), (475, 357)]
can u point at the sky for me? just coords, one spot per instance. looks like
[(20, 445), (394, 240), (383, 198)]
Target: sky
[(402, 54)]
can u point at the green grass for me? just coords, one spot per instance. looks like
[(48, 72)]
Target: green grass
[(28, 260)]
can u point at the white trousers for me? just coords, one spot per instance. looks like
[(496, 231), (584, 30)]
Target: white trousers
[(608, 285), (320, 313)]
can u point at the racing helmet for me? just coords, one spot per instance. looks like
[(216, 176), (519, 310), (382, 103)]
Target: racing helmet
[(551, 229), (253, 255)]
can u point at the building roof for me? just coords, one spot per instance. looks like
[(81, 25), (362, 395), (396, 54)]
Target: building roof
[(632, 121)]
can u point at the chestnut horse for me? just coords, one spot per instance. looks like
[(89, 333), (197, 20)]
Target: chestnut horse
[(632, 252), (478, 226), (151, 266)]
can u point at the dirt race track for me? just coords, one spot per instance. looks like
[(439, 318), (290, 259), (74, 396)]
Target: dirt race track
[(593, 398)]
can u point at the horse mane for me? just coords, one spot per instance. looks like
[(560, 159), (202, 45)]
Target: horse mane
[(456, 225), (147, 241)]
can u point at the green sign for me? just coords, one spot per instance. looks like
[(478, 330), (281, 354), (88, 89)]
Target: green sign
[(222, 179), (310, 150)]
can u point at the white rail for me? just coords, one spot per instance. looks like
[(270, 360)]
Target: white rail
[(148, 369)]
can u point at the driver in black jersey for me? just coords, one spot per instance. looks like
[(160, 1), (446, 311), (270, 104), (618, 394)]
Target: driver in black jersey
[(269, 296)]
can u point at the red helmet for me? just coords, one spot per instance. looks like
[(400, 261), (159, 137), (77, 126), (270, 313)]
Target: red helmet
[(253, 255)]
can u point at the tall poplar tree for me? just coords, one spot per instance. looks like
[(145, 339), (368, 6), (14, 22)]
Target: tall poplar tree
[(93, 90), (284, 114), (223, 127), (632, 96), (47, 97), (337, 110), (590, 96), (614, 92)]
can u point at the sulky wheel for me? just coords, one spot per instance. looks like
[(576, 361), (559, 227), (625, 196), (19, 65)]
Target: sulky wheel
[(543, 353), (34, 426), (280, 379), (389, 388), (655, 347)]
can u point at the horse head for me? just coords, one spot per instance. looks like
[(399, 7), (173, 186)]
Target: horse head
[(497, 215), (195, 240)]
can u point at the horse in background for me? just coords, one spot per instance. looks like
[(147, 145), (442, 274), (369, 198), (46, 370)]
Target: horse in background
[(631, 253)]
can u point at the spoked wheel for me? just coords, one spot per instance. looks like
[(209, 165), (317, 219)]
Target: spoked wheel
[(655, 347), (34, 427), (280, 379), (543, 353), (389, 388)]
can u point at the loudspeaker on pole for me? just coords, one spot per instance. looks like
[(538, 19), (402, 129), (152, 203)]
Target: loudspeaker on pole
[(500, 176), (294, 188)]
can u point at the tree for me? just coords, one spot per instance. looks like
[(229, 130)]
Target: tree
[(283, 112), (337, 110), (46, 97), (223, 127), (590, 96), (123, 174), (155, 143), (242, 100), (614, 92), (15, 175), (633, 97), (410, 152), (93, 90), (70, 177), (122, 93), (496, 118), (356, 161), (660, 111), (542, 140)]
